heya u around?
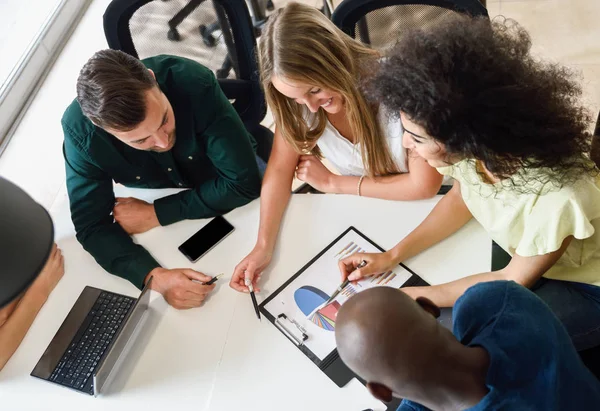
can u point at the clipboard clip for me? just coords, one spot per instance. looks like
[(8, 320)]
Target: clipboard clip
[(298, 340)]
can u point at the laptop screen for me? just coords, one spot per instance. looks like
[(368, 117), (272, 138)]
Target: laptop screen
[(121, 345)]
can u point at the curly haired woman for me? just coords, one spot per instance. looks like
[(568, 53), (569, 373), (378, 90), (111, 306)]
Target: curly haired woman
[(479, 107)]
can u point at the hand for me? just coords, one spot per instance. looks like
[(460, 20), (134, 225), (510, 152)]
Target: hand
[(51, 273), (312, 171), (134, 215), (177, 287), (252, 267), (377, 263)]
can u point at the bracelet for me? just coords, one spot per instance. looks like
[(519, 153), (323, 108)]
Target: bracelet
[(360, 180)]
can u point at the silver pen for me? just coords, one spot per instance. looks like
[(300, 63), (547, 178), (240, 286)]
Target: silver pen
[(345, 283)]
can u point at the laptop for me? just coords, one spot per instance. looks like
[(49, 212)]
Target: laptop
[(89, 346)]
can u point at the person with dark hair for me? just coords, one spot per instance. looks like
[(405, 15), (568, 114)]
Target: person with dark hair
[(121, 128), (507, 351), (508, 128)]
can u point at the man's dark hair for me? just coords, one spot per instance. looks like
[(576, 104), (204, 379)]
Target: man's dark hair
[(474, 86), (111, 90)]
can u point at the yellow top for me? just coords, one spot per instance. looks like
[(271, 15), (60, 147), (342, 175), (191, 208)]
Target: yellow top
[(538, 219)]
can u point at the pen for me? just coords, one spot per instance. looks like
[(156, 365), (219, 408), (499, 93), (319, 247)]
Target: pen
[(345, 283), (248, 283), (211, 281)]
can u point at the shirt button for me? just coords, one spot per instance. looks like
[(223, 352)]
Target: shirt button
[(138, 177), (169, 169), (180, 184), (191, 158)]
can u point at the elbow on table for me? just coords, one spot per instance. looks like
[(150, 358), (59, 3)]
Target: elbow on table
[(241, 193), (85, 233), (250, 186), (254, 187)]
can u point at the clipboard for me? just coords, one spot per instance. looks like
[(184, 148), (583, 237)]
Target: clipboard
[(331, 364)]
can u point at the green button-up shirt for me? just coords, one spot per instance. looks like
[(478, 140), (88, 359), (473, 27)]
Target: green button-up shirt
[(213, 156)]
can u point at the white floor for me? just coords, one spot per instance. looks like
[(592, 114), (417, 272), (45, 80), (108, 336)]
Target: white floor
[(567, 32), (20, 23)]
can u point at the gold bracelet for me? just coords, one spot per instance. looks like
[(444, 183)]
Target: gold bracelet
[(359, 184)]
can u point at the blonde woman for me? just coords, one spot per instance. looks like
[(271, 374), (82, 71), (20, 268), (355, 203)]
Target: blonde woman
[(310, 72)]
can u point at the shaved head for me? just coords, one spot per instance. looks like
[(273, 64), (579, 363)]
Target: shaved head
[(388, 338)]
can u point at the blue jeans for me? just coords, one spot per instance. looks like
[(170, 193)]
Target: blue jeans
[(577, 306), (262, 166)]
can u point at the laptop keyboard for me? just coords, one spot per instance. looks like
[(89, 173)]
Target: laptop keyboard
[(93, 338)]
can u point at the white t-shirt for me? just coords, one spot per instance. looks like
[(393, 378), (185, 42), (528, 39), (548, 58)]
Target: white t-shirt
[(345, 156)]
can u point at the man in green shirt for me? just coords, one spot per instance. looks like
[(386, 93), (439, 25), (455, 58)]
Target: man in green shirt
[(122, 128)]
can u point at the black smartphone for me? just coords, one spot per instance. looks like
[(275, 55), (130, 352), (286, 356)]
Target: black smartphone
[(206, 238)]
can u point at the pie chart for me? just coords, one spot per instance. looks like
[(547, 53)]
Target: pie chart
[(308, 298)]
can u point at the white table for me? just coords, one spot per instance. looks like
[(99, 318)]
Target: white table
[(220, 357)]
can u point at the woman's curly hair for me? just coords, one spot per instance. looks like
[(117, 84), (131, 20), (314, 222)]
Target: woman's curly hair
[(474, 86)]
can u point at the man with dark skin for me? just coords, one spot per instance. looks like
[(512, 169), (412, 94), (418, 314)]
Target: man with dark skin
[(507, 351)]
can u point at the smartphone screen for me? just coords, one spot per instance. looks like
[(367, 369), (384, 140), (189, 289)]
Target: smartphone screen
[(206, 238)]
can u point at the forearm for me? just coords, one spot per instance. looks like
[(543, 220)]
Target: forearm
[(116, 252), (445, 295), (447, 217), (16, 326), (214, 197), (525, 271), (398, 187), (275, 196)]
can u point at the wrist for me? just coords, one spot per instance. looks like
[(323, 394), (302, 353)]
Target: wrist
[(38, 291), (156, 274), (153, 216), (333, 184), (412, 292), (265, 245), (394, 256)]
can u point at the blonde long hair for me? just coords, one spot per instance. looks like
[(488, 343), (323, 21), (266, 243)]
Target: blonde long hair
[(300, 44)]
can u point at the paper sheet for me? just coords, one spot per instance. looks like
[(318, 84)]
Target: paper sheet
[(303, 300)]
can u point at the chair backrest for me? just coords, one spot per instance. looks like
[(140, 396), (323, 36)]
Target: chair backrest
[(141, 29), (380, 23), (595, 154)]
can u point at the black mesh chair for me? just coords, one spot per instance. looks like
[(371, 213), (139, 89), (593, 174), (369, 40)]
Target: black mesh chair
[(596, 143), (380, 23), (139, 28), (207, 31)]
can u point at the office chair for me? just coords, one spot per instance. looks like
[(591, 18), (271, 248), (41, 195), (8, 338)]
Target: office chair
[(379, 23), (207, 31), (595, 154), (387, 19), (137, 28)]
